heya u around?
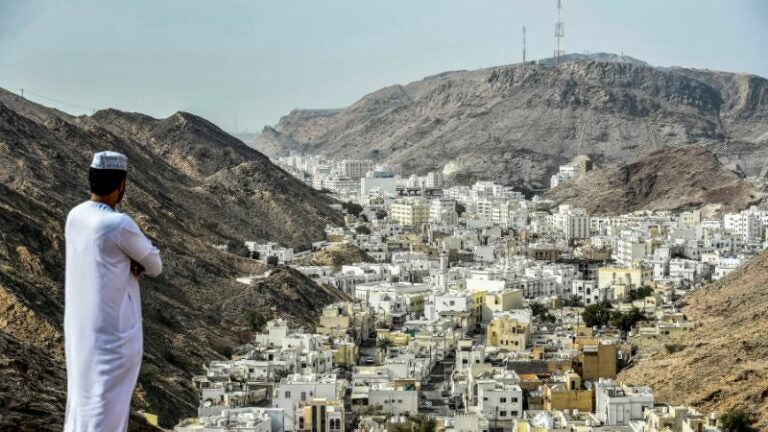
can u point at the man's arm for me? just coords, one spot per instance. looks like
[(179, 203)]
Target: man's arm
[(138, 247)]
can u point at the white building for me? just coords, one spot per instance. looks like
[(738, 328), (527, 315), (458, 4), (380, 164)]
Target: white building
[(297, 388), (353, 168), (410, 212), (617, 404), (271, 249), (394, 400), (235, 419), (571, 223), (498, 401), (382, 182)]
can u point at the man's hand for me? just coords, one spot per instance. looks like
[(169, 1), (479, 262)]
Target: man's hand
[(136, 268)]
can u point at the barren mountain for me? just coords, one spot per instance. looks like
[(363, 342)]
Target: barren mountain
[(191, 187), (722, 363), (515, 124), (672, 178)]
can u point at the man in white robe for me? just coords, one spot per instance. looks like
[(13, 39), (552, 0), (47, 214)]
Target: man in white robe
[(106, 253)]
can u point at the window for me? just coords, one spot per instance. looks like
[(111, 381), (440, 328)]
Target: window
[(502, 413), (303, 396), (301, 422), (513, 413), (514, 400), (502, 400), (287, 394)]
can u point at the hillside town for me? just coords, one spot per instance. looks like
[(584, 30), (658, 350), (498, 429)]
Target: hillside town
[(476, 308)]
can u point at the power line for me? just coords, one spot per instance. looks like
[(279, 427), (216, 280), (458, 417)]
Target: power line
[(54, 100)]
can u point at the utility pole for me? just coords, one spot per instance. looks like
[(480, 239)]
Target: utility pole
[(22, 93), (523, 44), (559, 33)]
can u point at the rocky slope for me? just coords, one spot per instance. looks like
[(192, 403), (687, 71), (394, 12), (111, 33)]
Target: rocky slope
[(722, 363), (672, 178), (336, 256), (191, 187), (515, 124)]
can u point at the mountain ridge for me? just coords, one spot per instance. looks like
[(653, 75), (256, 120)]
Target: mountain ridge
[(492, 123), (191, 197), (660, 180)]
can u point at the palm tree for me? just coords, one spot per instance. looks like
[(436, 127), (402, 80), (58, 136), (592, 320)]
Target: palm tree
[(384, 344)]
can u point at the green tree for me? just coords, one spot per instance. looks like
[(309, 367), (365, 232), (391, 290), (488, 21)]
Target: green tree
[(256, 320), (537, 309), (572, 301), (417, 423), (362, 229), (384, 344), (625, 321), (736, 420), (460, 209), (542, 312), (640, 293), (597, 314), (352, 208)]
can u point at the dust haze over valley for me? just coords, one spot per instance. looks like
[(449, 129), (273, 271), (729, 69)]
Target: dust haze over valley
[(580, 234)]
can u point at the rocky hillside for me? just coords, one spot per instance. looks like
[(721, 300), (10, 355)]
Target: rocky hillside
[(337, 255), (672, 178), (515, 124), (191, 187), (722, 363)]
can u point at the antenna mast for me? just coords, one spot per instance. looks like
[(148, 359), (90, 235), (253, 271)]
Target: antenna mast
[(559, 33), (523, 44)]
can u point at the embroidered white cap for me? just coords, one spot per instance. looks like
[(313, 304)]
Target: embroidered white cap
[(110, 160)]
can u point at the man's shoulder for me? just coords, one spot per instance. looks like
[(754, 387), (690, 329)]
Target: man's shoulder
[(100, 214)]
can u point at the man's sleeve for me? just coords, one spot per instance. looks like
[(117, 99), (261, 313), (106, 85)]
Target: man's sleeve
[(137, 246)]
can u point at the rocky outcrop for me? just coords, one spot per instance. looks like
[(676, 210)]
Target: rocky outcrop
[(722, 363), (191, 187), (336, 256), (672, 178), (515, 124)]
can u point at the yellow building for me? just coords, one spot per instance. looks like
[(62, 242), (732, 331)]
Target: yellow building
[(568, 395), (598, 361), (320, 415), (509, 331), (412, 212), (345, 353), (477, 300), (397, 338), (629, 277), (501, 301), (342, 319)]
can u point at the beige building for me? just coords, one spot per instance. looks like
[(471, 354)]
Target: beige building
[(342, 319), (320, 415), (509, 331), (568, 395), (668, 418), (410, 212), (631, 277), (501, 301)]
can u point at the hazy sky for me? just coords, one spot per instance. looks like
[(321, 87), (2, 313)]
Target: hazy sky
[(257, 60)]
